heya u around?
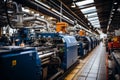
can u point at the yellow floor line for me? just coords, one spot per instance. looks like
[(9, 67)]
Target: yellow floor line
[(77, 69)]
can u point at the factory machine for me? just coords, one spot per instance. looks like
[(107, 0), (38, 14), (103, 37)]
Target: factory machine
[(23, 35), (19, 63), (93, 42), (64, 50), (96, 42), (116, 42), (52, 55), (84, 45)]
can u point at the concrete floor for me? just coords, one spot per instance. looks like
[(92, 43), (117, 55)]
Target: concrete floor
[(92, 67)]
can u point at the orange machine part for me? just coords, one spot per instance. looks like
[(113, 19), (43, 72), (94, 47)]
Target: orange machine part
[(116, 42), (81, 33), (61, 26)]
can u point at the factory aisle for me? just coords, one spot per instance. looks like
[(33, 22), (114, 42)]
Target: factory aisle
[(93, 67)]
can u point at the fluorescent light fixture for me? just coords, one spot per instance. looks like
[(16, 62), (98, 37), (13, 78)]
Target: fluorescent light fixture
[(88, 9), (84, 2), (95, 22), (92, 18), (92, 14), (118, 9), (113, 10), (115, 3), (96, 25)]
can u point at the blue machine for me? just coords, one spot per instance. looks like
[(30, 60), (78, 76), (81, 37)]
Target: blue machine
[(22, 35), (93, 42), (69, 45), (96, 42), (47, 61), (18, 63), (4, 40), (89, 43), (84, 45), (80, 46)]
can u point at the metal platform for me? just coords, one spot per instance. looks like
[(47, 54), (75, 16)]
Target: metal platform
[(91, 68)]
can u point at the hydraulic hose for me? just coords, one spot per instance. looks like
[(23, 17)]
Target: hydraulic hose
[(6, 10)]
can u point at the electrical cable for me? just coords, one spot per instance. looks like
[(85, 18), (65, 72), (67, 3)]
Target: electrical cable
[(6, 10)]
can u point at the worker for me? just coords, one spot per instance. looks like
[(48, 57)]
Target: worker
[(110, 45)]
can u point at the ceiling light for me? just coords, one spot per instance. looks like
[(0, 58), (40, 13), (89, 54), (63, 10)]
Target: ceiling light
[(88, 9), (92, 18), (115, 3), (92, 14), (81, 3), (113, 10), (118, 9), (95, 21)]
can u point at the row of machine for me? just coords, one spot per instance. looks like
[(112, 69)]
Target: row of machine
[(86, 44), (113, 48), (47, 56), (35, 50)]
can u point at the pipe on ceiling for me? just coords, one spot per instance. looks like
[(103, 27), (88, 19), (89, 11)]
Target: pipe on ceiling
[(41, 9), (39, 19)]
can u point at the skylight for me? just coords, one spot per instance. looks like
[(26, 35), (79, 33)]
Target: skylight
[(84, 2), (95, 21), (89, 12), (93, 18), (95, 24), (88, 9)]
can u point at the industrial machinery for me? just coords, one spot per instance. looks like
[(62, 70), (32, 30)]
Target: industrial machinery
[(61, 27), (96, 41), (61, 51), (116, 66), (52, 55), (19, 63), (84, 45), (23, 35), (5, 40), (116, 42), (93, 42)]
